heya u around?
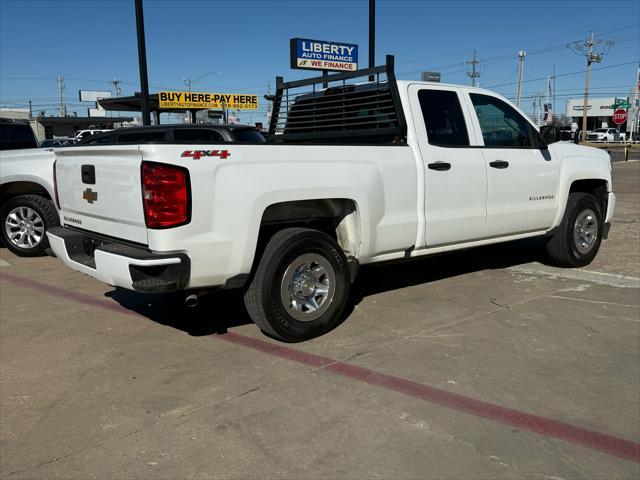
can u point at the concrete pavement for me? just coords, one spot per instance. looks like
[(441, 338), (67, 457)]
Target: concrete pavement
[(480, 364)]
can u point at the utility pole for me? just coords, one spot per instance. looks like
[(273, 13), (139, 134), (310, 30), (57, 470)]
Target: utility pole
[(635, 107), (521, 56), (116, 91), (62, 110), (474, 73), (142, 61), (116, 87), (554, 89), (589, 48), (372, 37), (30, 110)]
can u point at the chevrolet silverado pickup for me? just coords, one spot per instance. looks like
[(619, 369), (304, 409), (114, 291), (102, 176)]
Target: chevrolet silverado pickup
[(352, 174), (26, 190)]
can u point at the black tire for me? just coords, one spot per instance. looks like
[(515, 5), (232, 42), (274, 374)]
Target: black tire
[(265, 295), (563, 248), (45, 210)]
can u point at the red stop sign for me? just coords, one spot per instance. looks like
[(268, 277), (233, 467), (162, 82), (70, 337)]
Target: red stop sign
[(619, 116)]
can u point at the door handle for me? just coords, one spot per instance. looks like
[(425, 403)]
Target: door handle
[(499, 164), (440, 166)]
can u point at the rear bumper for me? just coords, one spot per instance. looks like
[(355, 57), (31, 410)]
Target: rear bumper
[(118, 264)]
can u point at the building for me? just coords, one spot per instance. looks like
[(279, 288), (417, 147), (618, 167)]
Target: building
[(599, 112)]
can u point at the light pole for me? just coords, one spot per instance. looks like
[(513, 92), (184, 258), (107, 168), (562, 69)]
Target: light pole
[(142, 61), (190, 81), (372, 36)]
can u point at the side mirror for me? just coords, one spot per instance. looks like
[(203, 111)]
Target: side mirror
[(550, 134)]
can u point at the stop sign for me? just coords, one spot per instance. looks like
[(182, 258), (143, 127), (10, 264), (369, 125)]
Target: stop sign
[(619, 116)]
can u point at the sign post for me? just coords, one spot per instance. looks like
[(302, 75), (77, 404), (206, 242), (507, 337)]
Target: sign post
[(322, 55)]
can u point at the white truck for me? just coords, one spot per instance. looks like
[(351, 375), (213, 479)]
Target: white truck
[(26, 190), (353, 174)]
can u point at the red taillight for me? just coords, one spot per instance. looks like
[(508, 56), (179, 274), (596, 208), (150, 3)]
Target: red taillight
[(165, 195), (55, 184)]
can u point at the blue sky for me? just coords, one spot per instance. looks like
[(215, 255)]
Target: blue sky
[(90, 42)]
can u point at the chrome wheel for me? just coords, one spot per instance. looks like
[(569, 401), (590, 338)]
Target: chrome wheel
[(585, 231), (308, 287), (24, 227)]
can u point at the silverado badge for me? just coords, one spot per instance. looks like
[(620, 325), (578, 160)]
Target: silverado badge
[(90, 196)]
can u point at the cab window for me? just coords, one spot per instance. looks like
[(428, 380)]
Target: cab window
[(501, 125), (196, 135), (443, 118)]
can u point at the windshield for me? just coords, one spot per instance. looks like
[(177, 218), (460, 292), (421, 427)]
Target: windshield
[(600, 130)]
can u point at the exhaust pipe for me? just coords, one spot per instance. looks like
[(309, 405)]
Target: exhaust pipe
[(191, 300)]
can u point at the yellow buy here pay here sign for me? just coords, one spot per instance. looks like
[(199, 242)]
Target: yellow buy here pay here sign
[(215, 101)]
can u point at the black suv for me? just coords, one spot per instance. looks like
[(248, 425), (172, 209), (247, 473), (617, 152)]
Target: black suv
[(16, 134), (179, 133)]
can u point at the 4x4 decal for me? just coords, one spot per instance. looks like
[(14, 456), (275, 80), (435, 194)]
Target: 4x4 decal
[(198, 154)]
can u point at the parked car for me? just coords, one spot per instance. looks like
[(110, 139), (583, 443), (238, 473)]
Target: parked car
[(178, 133), (82, 134), (604, 135), (352, 175), (27, 210), (566, 133), (57, 142)]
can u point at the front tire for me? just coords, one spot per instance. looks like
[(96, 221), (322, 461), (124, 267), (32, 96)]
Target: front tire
[(300, 287), (24, 221), (578, 238)]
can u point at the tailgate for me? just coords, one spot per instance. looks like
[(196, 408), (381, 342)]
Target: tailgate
[(99, 190)]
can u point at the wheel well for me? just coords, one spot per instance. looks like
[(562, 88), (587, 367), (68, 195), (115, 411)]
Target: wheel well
[(337, 217), (13, 189), (597, 188)]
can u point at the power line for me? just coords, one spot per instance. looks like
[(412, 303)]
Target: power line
[(563, 74)]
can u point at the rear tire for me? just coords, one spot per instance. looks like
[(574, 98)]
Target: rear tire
[(24, 221), (300, 287), (578, 238)]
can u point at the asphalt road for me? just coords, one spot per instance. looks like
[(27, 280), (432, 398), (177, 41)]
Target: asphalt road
[(480, 364)]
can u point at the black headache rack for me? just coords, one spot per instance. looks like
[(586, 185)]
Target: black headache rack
[(304, 111)]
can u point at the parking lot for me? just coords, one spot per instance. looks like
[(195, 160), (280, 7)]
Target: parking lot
[(480, 364)]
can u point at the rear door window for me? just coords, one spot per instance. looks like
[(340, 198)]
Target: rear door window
[(443, 118), (196, 135), (14, 136)]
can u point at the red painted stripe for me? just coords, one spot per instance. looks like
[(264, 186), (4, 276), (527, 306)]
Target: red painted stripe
[(544, 426), (549, 427)]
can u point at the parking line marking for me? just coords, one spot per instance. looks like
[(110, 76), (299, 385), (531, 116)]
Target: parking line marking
[(600, 278), (4, 264), (609, 444), (593, 301)]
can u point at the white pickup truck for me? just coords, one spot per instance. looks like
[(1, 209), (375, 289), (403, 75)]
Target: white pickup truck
[(353, 174)]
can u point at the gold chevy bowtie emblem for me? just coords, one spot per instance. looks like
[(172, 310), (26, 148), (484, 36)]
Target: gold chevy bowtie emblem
[(90, 196)]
